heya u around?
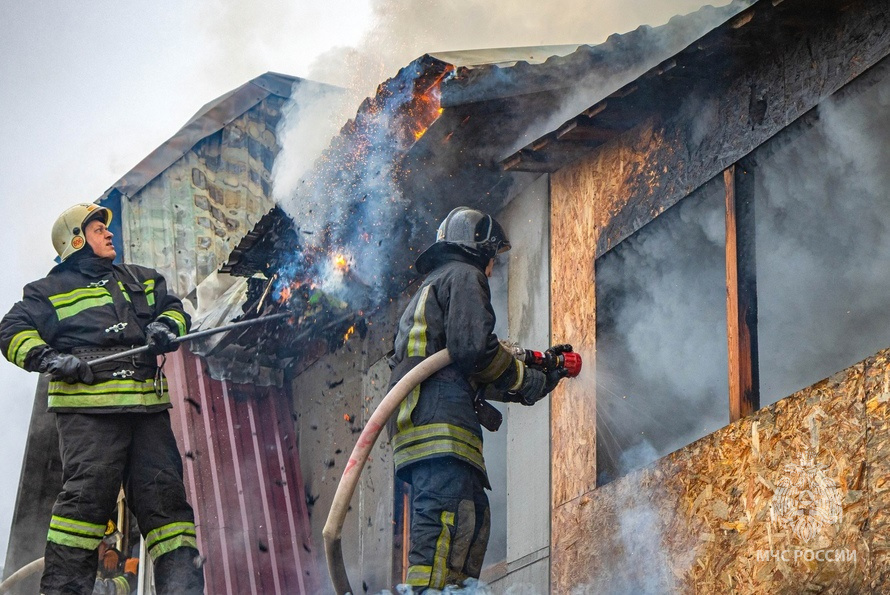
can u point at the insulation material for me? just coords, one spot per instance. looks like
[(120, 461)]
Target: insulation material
[(709, 517)]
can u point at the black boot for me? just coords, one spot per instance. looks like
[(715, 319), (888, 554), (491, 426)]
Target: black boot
[(179, 573)]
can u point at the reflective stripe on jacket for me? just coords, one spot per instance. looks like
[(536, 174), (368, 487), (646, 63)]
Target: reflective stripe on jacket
[(88, 302), (452, 309)]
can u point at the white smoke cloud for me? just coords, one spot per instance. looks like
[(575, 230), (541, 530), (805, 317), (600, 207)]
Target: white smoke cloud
[(338, 208), (661, 336), (823, 245)]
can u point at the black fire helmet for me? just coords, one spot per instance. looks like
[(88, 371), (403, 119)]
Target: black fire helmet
[(467, 230)]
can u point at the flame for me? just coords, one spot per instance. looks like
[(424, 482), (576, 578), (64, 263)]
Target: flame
[(341, 263), (349, 332), (426, 107)]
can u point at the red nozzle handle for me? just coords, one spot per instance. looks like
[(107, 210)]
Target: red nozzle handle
[(571, 363)]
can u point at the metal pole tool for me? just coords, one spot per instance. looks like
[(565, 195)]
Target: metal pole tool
[(195, 335)]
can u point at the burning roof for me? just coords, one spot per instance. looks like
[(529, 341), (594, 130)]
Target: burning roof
[(433, 137)]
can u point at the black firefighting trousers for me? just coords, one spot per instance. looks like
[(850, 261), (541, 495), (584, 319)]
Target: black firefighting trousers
[(450, 523), (99, 453)]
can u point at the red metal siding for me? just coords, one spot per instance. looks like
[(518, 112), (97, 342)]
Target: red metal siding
[(242, 475)]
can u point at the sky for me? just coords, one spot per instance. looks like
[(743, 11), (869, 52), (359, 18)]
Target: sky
[(90, 88)]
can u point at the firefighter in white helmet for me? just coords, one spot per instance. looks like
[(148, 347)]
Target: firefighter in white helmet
[(114, 427)]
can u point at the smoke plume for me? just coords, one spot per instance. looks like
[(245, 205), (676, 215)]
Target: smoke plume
[(345, 193), (661, 335), (823, 244)]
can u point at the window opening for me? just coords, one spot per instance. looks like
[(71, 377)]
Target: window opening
[(661, 335)]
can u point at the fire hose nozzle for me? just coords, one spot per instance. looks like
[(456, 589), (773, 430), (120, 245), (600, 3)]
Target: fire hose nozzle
[(559, 357), (571, 361)]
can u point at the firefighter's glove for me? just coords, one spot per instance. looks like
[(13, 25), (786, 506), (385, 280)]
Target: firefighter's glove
[(159, 338), (66, 367), (552, 378), (532, 389)]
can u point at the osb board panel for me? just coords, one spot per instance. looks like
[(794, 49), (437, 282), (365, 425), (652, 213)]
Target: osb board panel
[(877, 395), (573, 320), (721, 119), (707, 519)]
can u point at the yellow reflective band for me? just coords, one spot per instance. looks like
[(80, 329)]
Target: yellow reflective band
[(417, 334), (499, 364), (406, 408), (425, 450), (64, 299), (82, 527), (443, 548), (124, 291), (150, 291), (22, 343), (419, 575), (176, 317), (78, 300), (69, 540), (174, 543), (122, 585), (111, 393), (412, 435), (168, 531), (170, 537)]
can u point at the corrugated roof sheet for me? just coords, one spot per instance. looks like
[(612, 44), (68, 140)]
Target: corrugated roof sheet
[(503, 57), (211, 118)]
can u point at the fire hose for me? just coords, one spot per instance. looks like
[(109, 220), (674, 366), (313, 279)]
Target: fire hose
[(334, 525), (560, 356), (21, 574)]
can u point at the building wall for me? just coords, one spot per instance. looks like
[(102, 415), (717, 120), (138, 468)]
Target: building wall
[(706, 519), (187, 221), (333, 398), (243, 479), (527, 456), (622, 185)]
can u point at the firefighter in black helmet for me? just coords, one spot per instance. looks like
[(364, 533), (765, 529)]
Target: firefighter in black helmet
[(438, 439), (113, 423)]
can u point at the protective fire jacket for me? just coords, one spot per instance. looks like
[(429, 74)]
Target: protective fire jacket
[(451, 309), (86, 302)]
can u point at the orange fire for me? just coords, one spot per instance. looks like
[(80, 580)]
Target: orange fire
[(426, 106), (341, 263), (349, 333)]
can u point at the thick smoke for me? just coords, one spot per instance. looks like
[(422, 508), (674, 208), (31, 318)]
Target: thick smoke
[(661, 335), (354, 204), (823, 245)]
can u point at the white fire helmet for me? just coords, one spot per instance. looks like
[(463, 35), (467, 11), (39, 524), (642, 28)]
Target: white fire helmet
[(68, 230)]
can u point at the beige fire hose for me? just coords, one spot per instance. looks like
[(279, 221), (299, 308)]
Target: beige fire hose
[(366, 440), (21, 574)]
